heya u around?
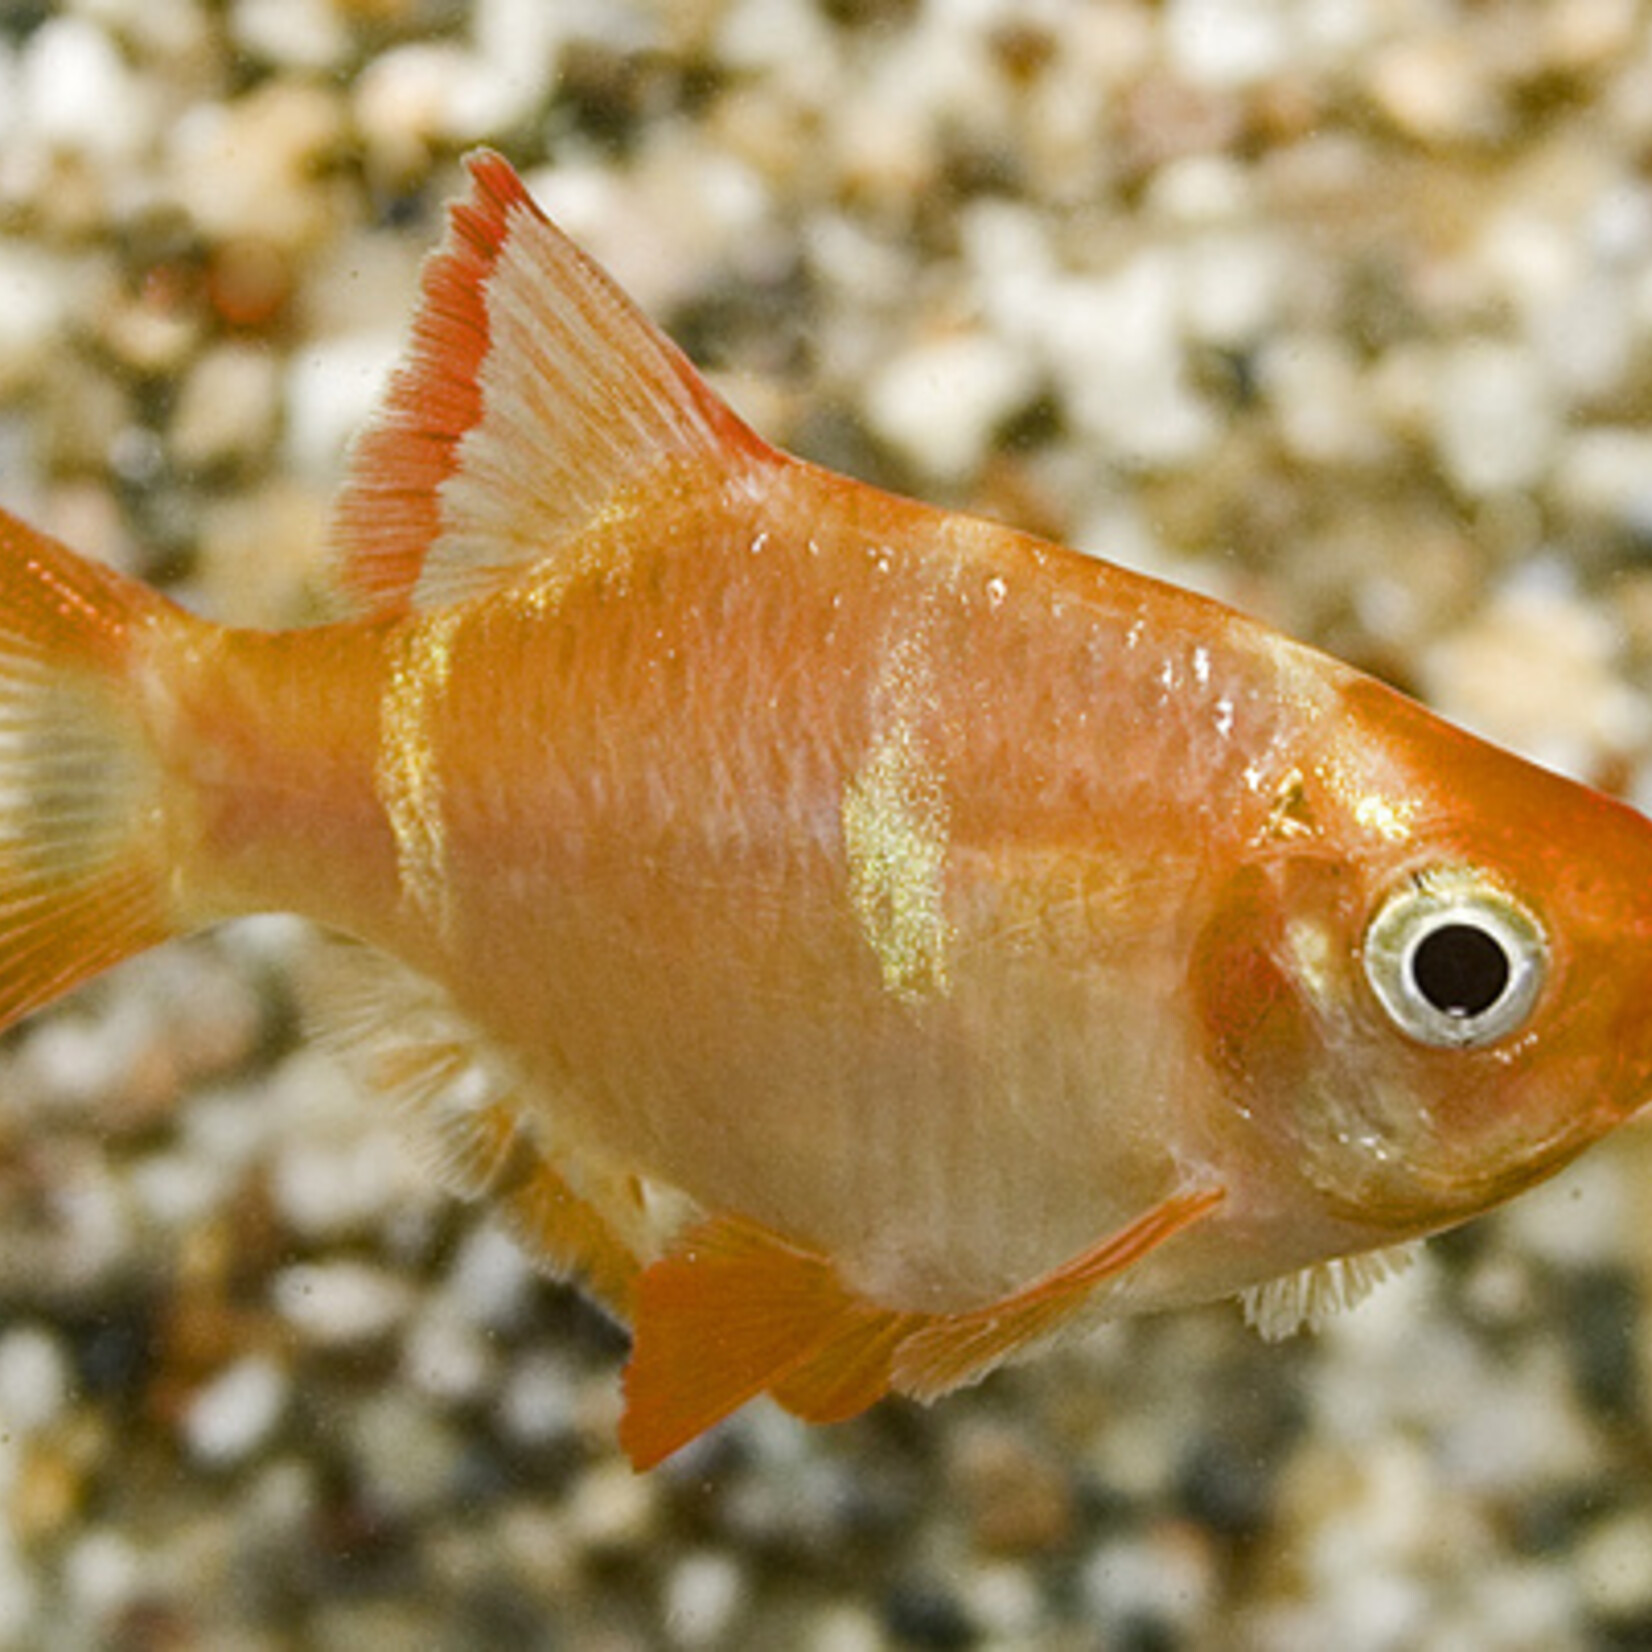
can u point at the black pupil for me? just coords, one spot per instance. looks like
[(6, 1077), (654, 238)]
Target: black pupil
[(1460, 969)]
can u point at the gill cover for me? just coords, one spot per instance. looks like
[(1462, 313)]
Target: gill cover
[(1360, 1027)]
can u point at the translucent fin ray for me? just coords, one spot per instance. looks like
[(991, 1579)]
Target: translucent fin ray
[(84, 874), (532, 393), (1279, 1308), (402, 1037)]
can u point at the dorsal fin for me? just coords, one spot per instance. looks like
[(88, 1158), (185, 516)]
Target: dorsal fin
[(531, 393)]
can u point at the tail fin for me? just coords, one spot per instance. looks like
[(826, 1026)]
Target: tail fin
[(83, 874)]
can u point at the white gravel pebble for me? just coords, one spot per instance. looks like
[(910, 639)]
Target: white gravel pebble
[(179, 1190), (102, 1574), (35, 1379), (538, 1400), (340, 1182), (341, 1303), (1496, 419), (293, 34), (1229, 43), (1605, 473), (231, 1418), (939, 402), (491, 1280), (1316, 388), (1114, 344), (703, 1593), (19, 1600), (408, 1455), (77, 93), (1614, 1565), (331, 388), (1160, 1577), (228, 408), (447, 1358), (38, 294)]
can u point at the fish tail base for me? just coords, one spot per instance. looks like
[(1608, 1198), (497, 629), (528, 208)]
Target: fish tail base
[(84, 880)]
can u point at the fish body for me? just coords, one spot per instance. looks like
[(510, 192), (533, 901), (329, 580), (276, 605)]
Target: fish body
[(859, 941)]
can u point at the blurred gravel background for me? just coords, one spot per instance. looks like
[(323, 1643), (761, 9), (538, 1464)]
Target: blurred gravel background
[(1341, 309)]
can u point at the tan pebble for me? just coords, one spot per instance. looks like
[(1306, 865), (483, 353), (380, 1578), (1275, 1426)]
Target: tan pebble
[(1632, 606), (534, 1541), (85, 411), (252, 168), (149, 1088), (228, 409), (1537, 670), (148, 335), (771, 134), (381, 11), (87, 515), (613, 1510), (261, 558), (249, 282), (1613, 1565), (1588, 34), (215, 1024), (1436, 88), (1015, 1500), (47, 1494), (1165, 119)]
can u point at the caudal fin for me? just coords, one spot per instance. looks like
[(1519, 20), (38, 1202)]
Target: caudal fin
[(83, 876)]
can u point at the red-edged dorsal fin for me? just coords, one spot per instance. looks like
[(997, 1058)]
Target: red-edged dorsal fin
[(531, 393), (954, 1349)]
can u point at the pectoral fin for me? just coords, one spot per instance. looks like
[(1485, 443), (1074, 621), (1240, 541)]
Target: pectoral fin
[(735, 1311), (953, 1349)]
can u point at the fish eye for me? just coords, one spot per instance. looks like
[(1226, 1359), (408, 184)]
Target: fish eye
[(1453, 960)]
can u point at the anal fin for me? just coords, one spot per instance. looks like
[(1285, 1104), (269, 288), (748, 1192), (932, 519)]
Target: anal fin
[(736, 1311), (401, 1036)]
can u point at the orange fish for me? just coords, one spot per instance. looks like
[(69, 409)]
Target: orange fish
[(860, 942)]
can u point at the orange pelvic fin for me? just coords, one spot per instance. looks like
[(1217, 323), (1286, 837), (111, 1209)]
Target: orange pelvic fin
[(953, 1349), (731, 1313), (736, 1311), (533, 392), (84, 875)]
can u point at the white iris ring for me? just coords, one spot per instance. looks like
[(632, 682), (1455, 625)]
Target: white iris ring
[(1455, 961)]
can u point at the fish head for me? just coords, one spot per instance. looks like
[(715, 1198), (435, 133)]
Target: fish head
[(1430, 984)]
